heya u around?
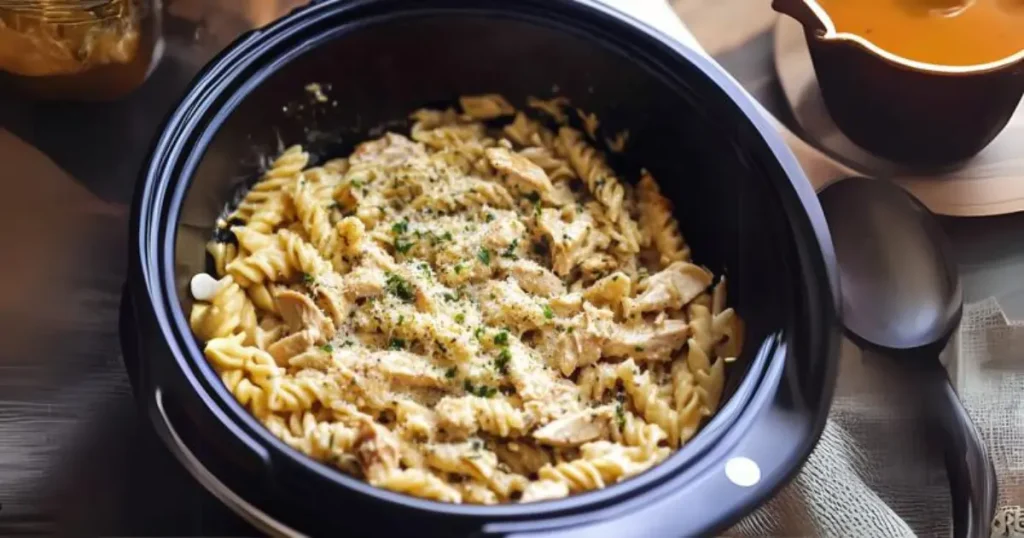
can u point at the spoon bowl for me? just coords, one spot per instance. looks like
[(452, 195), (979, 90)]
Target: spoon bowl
[(901, 294)]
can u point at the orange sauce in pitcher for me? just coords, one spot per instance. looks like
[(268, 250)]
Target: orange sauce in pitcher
[(943, 32)]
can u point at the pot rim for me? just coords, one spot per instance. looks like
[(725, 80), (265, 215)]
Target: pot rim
[(826, 32), (161, 198)]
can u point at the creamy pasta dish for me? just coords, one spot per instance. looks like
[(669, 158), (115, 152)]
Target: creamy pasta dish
[(480, 311)]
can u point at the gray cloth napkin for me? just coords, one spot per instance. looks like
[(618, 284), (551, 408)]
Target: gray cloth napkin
[(874, 473)]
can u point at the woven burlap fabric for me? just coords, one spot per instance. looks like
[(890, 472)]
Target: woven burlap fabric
[(875, 473)]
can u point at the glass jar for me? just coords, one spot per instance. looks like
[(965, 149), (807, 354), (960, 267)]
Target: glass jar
[(79, 49)]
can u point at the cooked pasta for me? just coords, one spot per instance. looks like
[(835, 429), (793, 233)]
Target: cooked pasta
[(476, 313)]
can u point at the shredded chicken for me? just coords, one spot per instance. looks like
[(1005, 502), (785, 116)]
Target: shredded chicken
[(286, 348), (671, 288), (534, 278), (377, 448), (302, 314), (391, 149), (583, 344), (644, 341), (526, 176), (577, 428)]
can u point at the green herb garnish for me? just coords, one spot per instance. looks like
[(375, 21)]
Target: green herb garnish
[(308, 279), (399, 287), (502, 361), (327, 348), (510, 251), (450, 373), (548, 313), (396, 343), (404, 245), (638, 348), (484, 256), (501, 338), (620, 415), (460, 318)]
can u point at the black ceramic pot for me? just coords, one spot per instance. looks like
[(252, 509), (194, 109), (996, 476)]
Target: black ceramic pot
[(909, 112), (744, 203)]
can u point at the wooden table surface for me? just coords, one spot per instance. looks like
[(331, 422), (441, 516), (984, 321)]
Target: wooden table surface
[(75, 456)]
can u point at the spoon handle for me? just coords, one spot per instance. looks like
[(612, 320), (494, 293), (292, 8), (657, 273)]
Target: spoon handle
[(971, 475)]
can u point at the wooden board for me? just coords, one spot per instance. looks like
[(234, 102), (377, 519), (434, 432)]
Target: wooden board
[(992, 183)]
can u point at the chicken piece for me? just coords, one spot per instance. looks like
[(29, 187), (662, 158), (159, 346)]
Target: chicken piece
[(377, 448), (391, 149), (569, 240), (567, 305), (290, 346), (647, 342), (599, 264), (544, 490), (671, 288), (511, 306), (610, 290), (408, 369), (526, 176), (577, 428), (535, 278), (582, 345), (364, 282), (503, 232), (302, 314), (522, 458)]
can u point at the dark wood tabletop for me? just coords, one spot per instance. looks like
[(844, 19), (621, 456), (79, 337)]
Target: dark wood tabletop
[(76, 458)]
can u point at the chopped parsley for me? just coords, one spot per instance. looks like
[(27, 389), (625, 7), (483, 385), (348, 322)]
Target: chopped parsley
[(403, 245), (489, 217), (482, 391), (396, 344), (327, 348), (533, 197), (570, 330), (484, 256), (510, 251), (400, 227), (450, 373), (478, 332), (458, 269), (620, 415), (401, 319), (502, 361), (308, 279), (548, 313), (501, 338), (347, 343), (399, 287), (460, 318), (451, 298)]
